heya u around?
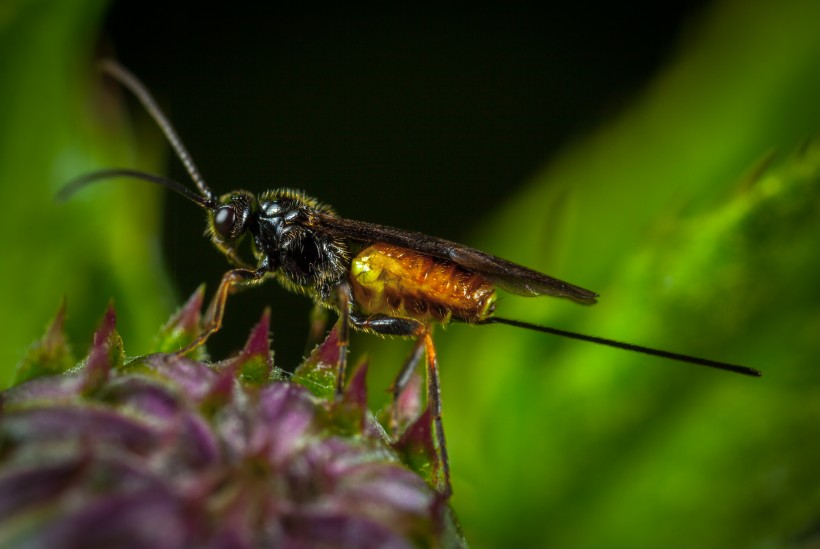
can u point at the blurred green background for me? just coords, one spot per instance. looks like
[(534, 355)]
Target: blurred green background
[(669, 162)]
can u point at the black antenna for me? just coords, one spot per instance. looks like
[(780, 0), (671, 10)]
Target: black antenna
[(129, 81), (93, 177), (743, 370)]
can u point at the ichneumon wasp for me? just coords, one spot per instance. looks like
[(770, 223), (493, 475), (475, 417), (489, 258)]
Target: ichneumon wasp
[(376, 278)]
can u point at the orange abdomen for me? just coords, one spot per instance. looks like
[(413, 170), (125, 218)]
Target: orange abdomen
[(400, 282)]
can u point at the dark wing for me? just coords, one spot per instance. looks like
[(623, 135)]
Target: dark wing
[(505, 274)]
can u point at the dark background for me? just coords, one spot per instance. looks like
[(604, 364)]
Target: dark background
[(424, 122)]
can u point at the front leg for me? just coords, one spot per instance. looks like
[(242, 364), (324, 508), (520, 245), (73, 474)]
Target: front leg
[(216, 310)]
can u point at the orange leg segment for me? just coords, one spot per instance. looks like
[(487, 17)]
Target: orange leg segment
[(232, 280), (424, 341), (434, 401)]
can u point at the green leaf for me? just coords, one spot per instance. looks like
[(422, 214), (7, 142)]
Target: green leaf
[(57, 122)]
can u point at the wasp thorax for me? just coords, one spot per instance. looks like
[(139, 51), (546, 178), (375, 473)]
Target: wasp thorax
[(286, 234)]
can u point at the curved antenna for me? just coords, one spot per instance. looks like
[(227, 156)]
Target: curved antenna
[(77, 184), (743, 370), (124, 77)]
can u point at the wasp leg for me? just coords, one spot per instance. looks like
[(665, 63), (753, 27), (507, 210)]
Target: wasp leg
[(402, 379), (434, 399), (387, 325), (406, 327), (344, 337), (216, 310)]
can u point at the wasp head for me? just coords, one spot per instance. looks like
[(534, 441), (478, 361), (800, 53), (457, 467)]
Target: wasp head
[(229, 219)]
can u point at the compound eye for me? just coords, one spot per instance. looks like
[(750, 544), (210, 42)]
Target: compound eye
[(224, 220)]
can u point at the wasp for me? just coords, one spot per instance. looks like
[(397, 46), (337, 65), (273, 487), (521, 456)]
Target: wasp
[(377, 279)]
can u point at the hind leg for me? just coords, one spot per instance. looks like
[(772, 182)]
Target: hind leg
[(424, 340)]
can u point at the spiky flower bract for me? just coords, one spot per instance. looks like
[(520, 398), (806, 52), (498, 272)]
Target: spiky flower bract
[(168, 451)]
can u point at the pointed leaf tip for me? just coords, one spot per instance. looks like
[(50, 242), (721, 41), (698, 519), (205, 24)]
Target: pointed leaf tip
[(107, 326), (327, 352), (184, 326), (55, 333), (318, 372), (350, 413), (49, 355), (416, 445), (356, 390), (254, 363), (408, 405), (259, 340), (106, 352)]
